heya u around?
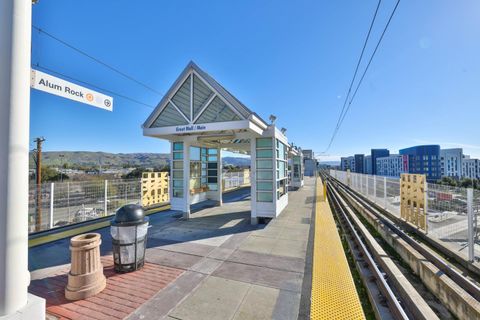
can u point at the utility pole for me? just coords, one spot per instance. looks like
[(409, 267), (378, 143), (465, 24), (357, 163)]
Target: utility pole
[(38, 191), (15, 44)]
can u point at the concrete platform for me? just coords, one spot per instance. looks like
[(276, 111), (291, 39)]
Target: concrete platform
[(231, 269)]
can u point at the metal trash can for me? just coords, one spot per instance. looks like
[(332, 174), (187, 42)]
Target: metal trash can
[(129, 238)]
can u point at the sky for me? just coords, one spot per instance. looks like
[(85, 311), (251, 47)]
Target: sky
[(293, 59)]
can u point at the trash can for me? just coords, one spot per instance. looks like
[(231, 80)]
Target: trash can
[(129, 238)]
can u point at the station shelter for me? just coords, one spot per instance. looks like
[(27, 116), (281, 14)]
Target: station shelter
[(201, 118)]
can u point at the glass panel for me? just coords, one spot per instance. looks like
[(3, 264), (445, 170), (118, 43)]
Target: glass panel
[(264, 153), (195, 153), (268, 186), (182, 98), (195, 170), (264, 142), (212, 180), (212, 186), (177, 164), (281, 166), (177, 193), (264, 197), (212, 165), (212, 158), (178, 155), (212, 151), (201, 94), (177, 174), (212, 173), (169, 117), (264, 164), (194, 183), (178, 184), (178, 146), (217, 111), (264, 175)]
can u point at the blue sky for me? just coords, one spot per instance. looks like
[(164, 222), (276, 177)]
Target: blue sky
[(294, 59)]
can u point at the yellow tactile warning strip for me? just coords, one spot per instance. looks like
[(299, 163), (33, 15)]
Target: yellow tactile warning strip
[(333, 291)]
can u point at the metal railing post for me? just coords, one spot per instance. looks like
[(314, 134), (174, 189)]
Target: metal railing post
[(471, 233), (105, 206), (52, 192), (385, 192)]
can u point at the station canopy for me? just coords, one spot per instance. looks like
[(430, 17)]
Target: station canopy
[(197, 105)]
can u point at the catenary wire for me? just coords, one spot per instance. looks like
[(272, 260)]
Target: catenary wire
[(96, 60), (363, 75), (93, 86)]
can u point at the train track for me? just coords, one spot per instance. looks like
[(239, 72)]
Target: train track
[(458, 293)]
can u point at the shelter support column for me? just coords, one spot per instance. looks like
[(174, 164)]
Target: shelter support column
[(15, 38), (219, 177), (186, 179)]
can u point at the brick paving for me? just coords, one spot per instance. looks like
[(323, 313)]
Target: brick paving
[(123, 294)]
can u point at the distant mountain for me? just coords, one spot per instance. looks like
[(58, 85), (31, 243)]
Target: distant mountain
[(95, 159), (236, 161)]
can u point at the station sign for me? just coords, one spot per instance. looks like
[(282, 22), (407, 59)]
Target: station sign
[(53, 85)]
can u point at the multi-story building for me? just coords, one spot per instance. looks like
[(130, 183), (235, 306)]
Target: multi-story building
[(308, 154), (424, 160), (451, 162), (310, 167), (359, 162), (367, 164), (347, 163), (392, 166), (471, 168), (378, 153)]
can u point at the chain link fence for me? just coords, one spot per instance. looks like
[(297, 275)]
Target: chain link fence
[(447, 209)]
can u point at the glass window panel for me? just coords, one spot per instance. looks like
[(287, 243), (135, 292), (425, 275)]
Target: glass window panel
[(204, 151), (177, 193), (177, 164), (264, 142), (195, 153), (212, 165), (212, 158), (217, 111), (267, 186), (212, 180), (178, 155), (169, 117), (212, 186), (204, 172), (178, 146), (264, 164), (177, 174), (204, 165), (264, 153), (212, 173), (264, 197), (177, 184), (212, 151), (264, 175)]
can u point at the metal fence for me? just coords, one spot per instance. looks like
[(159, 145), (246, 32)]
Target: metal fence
[(64, 203), (452, 212), (232, 180)]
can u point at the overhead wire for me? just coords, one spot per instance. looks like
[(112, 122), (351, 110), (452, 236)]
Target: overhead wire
[(93, 85), (82, 52), (362, 77)]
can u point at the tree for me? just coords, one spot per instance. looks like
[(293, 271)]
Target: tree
[(50, 174)]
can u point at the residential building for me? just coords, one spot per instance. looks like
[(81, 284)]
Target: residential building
[(308, 154), (471, 168), (347, 163), (310, 167), (367, 164), (378, 153), (424, 160), (392, 166), (359, 162), (451, 162)]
